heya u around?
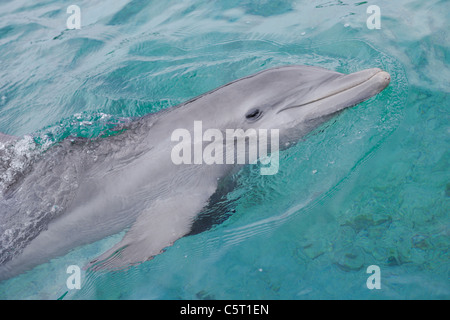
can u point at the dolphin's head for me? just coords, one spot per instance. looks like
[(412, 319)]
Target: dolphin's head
[(295, 98)]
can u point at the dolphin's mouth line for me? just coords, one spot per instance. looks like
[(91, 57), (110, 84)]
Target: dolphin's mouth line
[(329, 95)]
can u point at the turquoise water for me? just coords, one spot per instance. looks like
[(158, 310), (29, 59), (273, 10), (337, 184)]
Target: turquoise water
[(371, 187)]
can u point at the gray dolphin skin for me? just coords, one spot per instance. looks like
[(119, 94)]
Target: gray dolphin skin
[(6, 138), (82, 190)]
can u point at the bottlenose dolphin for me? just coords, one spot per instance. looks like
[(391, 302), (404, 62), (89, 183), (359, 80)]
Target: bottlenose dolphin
[(82, 190)]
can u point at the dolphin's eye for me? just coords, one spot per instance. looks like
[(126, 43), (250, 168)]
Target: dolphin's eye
[(253, 114)]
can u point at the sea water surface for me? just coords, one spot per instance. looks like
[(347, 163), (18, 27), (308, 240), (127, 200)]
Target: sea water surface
[(371, 187)]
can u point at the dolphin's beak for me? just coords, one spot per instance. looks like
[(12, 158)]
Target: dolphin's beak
[(369, 80), (345, 91)]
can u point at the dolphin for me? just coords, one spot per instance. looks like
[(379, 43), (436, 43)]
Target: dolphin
[(83, 190)]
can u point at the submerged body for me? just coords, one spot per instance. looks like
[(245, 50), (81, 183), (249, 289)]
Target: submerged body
[(81, 191)]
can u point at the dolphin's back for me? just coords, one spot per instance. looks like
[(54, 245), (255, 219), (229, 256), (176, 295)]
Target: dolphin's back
[(43, 187)]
